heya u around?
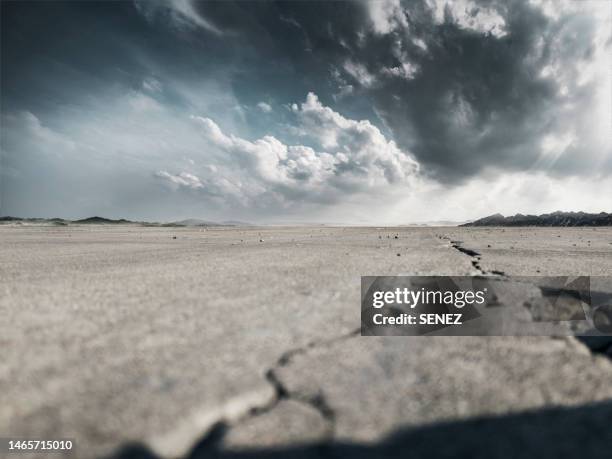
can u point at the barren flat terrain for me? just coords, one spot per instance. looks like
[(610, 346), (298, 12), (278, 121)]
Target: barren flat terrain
[(120, 333)]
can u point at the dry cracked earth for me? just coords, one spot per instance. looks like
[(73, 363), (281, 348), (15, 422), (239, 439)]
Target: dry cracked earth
[(244, 343)]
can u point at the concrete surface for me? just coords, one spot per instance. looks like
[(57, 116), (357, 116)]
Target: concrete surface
[(118, 334)]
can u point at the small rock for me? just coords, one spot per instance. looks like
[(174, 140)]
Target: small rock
[(399, 255), (173, 237), (396, 237), (261, 240)]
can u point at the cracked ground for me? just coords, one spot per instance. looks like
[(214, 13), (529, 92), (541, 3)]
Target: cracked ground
[(244, 343)]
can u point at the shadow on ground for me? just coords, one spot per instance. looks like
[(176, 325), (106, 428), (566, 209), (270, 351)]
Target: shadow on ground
[(583, 432)]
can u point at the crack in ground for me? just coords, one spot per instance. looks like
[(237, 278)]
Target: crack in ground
[(210, 443), (316, 401), (213, 438), (597, 345), (476, 258)]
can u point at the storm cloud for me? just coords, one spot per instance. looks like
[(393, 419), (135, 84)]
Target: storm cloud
[(385, 110), (515, 90)]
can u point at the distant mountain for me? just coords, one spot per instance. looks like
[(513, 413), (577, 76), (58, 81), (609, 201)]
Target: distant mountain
[(122, 221), (54, 221), (102, 220), (554, 219)]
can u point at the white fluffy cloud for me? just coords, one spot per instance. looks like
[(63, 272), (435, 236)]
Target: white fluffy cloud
[(264, 107), (358, 146), (469, 14), (386, 15), (360, 73), (184, 179), (389, 15), (345, 156)]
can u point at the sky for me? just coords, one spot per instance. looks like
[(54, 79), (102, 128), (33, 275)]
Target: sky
[(381, 112)]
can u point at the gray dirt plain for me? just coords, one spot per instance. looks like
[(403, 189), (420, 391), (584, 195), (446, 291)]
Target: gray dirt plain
[(147, 342)]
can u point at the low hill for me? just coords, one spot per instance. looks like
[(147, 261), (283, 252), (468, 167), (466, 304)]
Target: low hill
[(99, 220), (122, 221), (553, 219), (47, 221)]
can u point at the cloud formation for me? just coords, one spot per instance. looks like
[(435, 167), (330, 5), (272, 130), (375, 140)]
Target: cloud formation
[(474, 85), (349, 157), (264, 107), (182, 13), (183, 179)]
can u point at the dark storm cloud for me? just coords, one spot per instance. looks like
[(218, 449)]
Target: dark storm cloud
[(479, 100), (476, 100)]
